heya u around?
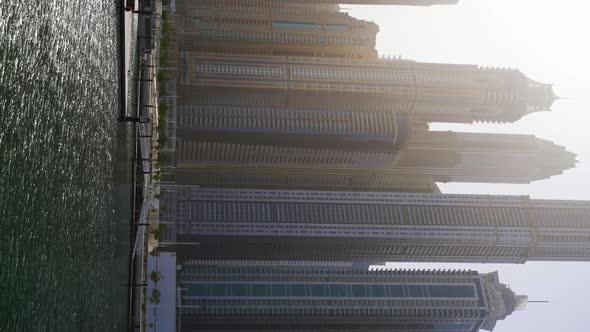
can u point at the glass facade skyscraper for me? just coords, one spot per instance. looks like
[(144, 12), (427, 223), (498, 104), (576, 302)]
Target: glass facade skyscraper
[(245, 296)]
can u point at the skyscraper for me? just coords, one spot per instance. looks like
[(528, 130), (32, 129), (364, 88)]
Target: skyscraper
[(319, 141), (325, 3), (299, 178), (425, 91), (288, 29), (244, 296), (320, 123), (315, 225), (388, 2)]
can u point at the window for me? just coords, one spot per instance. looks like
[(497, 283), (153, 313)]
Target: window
[(258, 290), (378, 290), (239, 290), (330, 290), (338, 291), (451, 291), (218, 290), (335, 27), (317, 290), (278, 290), (416, 291), (452, 326), (396, 291), (358, 291), (297, 25), (197, 290), (298, 290)]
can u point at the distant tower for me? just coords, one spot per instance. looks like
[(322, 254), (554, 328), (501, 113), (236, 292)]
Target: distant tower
[(244, 296), (288, 29), (288, 141), (390, 2), (380, 2), (270, 3), (427, 92), (340, 226), (383, 2), (480, 157)]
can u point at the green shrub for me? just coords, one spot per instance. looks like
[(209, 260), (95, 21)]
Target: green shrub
[(156, 233), (155, 298), (161, 77), (155, 276), (162, 159)]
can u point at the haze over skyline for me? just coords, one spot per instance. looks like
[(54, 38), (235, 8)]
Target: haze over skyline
[(545, 40)]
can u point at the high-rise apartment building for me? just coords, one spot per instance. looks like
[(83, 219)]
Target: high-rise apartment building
[(328, 3), (425, 91), (316, 225), (385, 2), (320, 123), (478, 157), (237, 296), (288, 29), (336, 154), (379, 131), (300, 178), (284, 140)]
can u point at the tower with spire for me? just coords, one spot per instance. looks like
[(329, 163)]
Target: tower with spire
[(270, 296), (309, 119), (427, 92), (376, 227)]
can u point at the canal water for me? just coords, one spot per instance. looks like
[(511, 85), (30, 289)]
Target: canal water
[(65, 171)]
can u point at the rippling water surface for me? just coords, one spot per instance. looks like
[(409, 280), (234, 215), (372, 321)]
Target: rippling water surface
[(64, 224)]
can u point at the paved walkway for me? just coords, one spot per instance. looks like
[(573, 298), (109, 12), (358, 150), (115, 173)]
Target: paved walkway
[(147, 102)]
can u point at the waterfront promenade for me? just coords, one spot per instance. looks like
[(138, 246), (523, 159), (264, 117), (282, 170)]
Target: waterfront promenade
[(140, 93)]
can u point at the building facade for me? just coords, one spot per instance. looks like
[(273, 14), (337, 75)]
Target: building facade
[(346, 128), (217, 176), (329, 3), (425, 91), (316, 225), (220, 135), (269, 146), (245, 296), (335, 142), (289, 29), (480, 157)]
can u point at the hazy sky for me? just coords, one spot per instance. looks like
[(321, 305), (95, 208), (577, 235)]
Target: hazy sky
[(548, 41)]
